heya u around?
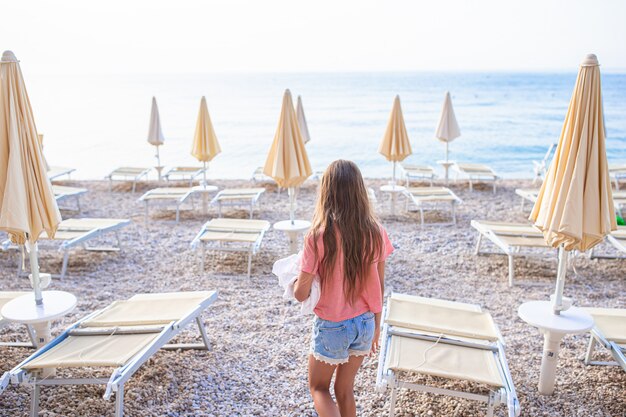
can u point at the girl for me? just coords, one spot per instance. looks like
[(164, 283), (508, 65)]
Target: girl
[(346, 248)]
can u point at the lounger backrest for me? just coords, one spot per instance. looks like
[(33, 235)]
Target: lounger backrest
[(611, 322), (440, 316), (145, 311)]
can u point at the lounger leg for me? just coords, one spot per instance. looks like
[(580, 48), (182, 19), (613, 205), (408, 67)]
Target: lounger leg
[(78, 203), (494, 186), (205, 337), (421, 216), (490, 405), (145, 217), (110, 184), (478, 242), (511, 271), (31, 335), (134, 186), (249, 263), (66, 259), (453, 213), (119, 402), (523, 199), (202, 254), (177, 212), (34, 401), (219, 209), (392, 400), (251, 210), (590, 350), (119, 242), (471, 186)]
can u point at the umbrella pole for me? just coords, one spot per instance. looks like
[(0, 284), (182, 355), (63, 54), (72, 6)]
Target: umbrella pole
[(34, 270), (204, 196), (393, 178), (158, 163), (292, 201), (560, 281)]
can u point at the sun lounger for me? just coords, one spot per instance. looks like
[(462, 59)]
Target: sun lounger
[(609, 330), (448, 340), (617, 172), (133, 174), (426, 196), (183, 174), (510, 238), (540, 167), (371, 195), (57, 172), (62, 193), (617, 239), (476, 173), (527, 194), (259, 176), (113, 342), (231, 235), (5, 297), (176, 195), (73, 233), (619, 200), (414, 172), (233, 197)]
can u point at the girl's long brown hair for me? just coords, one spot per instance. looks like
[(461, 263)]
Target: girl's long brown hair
[(343, 209)]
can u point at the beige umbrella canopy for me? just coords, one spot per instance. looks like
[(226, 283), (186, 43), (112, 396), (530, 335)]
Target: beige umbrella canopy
[(287, 162), (155, 133), (448, 128), (205, 145), (304, 127), (574, 208), (395, 145), (27, 204)]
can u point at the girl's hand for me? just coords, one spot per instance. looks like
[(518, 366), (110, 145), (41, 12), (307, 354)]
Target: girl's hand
[(375, 341)]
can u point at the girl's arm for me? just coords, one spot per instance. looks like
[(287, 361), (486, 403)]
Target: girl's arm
[(377, 316), (302, 286)]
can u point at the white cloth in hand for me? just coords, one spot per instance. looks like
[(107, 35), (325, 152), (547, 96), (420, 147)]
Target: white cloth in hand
[(288, 270)]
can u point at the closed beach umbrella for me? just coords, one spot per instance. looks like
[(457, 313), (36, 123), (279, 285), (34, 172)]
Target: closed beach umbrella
[(287, 162), (395, 145), (205, 145), (448, 128), (304, 127), (155, 133), (27, 203), (574, 208)]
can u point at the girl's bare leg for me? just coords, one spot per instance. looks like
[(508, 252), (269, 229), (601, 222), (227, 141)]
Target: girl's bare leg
[(344, 386), (320, 375)]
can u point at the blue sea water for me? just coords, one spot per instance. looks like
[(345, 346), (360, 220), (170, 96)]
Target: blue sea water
[(507, 120)]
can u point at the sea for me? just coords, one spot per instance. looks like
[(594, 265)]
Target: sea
[(94, 123)]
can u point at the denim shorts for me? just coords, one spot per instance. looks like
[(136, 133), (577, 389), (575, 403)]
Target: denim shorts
[(334, 342)]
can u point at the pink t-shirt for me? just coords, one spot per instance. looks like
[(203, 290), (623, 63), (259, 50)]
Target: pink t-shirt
[(332, 304)]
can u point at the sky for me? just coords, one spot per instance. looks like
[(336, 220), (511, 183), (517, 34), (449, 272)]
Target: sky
[(189, 36)]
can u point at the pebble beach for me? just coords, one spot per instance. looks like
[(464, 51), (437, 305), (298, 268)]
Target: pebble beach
[(258, 362)]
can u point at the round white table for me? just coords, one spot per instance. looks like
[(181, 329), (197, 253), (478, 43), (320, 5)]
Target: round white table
[(205, 190), (446, 167), (393, 190), (24, 310), (293, 230), (553, 327)]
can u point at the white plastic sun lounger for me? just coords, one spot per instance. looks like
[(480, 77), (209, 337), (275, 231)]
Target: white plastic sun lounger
[(72, 233), (527, 194), (413, 172), (183, 174), (114, 342), (176, 195), (617, 172), (231, 235), (422, 197), (609, 330), (371, 195), (62, 193), (540, 167), (510, 238), (133, 174), (5, 297), (233, 197), (258, 176), (445, 339), (476, 173), (617, 239), (57, 172), (619, 201)]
